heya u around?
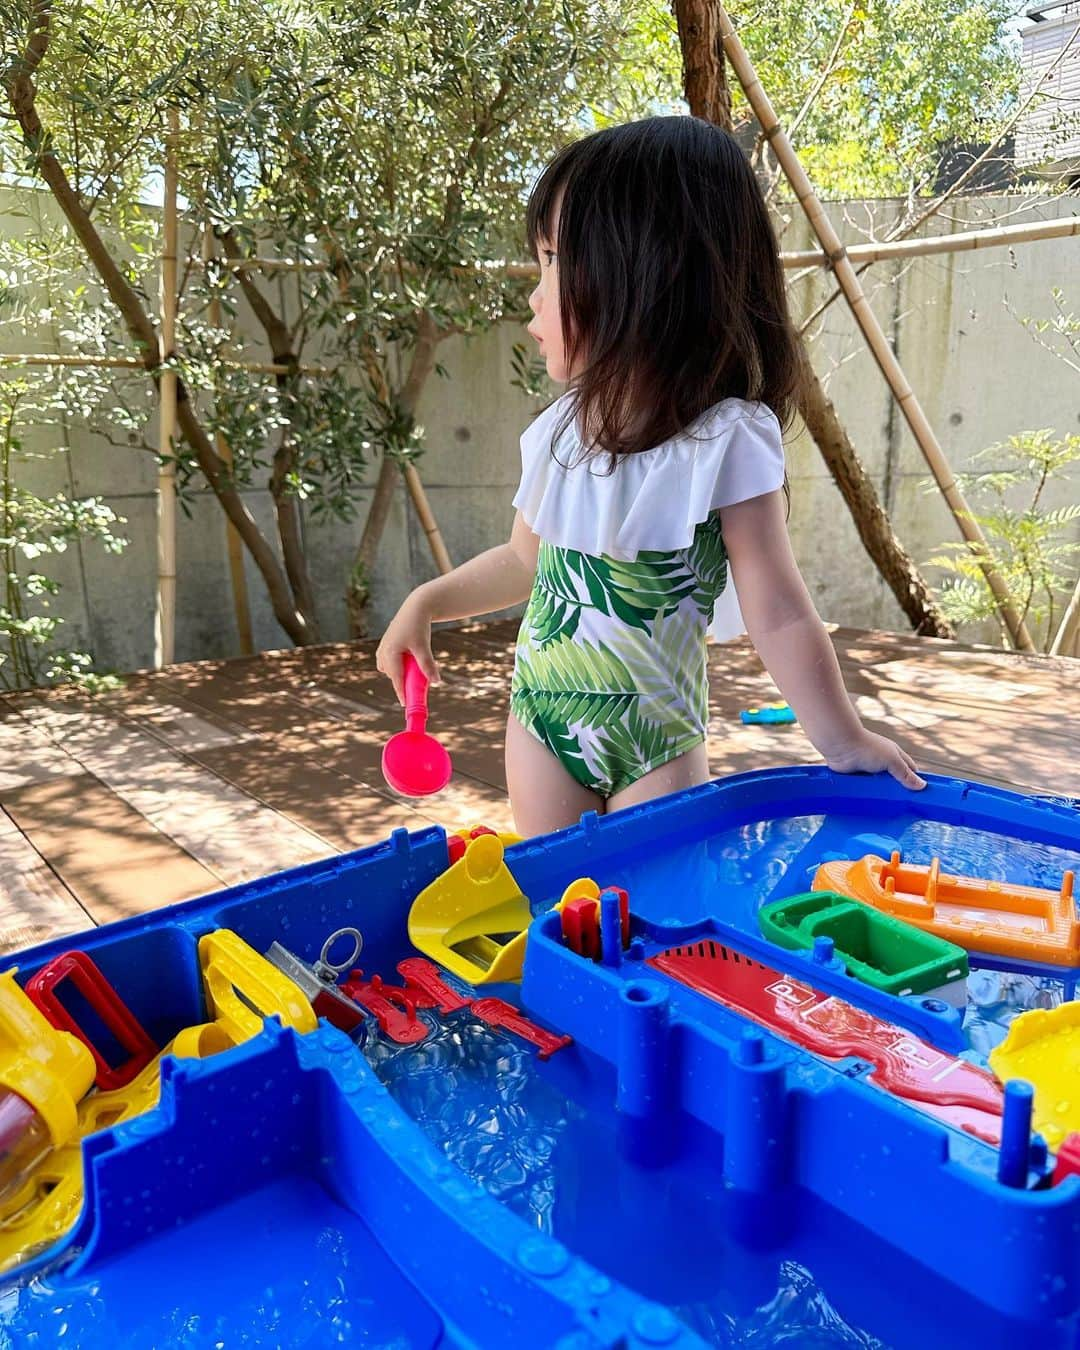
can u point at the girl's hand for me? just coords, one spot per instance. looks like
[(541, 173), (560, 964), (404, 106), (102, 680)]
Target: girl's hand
[(409, 631), (870, 753)]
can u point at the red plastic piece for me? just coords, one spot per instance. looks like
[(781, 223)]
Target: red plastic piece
[(505, 1017), (456, 845), (427, 989), (106, 1002), (482, 829), (395, 1006), (400, 1023), (951, 1089), (581, 927), (1068, 1159), (339, 1011)]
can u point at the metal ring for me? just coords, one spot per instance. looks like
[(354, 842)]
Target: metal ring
[(358, 947)]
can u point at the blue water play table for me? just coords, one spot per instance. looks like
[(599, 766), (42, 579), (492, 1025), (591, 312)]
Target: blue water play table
[(675, 1177)]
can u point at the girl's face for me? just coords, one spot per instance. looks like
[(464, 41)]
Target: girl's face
[(546, 324)]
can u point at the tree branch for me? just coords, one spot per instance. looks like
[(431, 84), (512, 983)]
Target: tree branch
[(286, 506), (275, 328)]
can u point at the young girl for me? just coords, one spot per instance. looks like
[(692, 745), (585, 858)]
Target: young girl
[(653, 490)]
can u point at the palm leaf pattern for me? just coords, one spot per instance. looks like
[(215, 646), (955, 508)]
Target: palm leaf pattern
[(635, 744), (576, 682), (610, 664), (707, 559), (636, 592)]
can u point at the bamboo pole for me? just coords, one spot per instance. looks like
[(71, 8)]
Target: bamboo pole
[(961, 241), (165, 614), (883, 354), (234, 545), (1069, 628), (964, 240), (89, 362), (427, 519)]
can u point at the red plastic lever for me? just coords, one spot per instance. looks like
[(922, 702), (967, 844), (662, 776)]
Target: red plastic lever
[(400, 1024), (581, 927), (427, 989), (116, 1016), (505, 1017)]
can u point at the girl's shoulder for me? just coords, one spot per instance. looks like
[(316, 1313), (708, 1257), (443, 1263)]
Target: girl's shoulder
[(653, 500), (730, 424)]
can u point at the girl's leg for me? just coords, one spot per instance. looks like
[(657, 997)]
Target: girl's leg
[(686, 771), (543, 795)]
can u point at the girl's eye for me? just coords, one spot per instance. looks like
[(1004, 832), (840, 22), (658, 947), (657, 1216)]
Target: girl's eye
[(549, 257)]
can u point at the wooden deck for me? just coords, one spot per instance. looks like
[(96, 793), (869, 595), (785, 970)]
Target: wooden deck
[(209, 774)]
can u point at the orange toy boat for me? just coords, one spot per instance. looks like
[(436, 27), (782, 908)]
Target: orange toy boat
[(1020, 922)]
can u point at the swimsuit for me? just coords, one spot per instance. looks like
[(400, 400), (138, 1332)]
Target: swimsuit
[(610, 670)]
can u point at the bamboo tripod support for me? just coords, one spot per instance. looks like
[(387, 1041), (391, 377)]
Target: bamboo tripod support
[(866, 319), (1000, 236), (165, 612), (426, 517), (234, 544)]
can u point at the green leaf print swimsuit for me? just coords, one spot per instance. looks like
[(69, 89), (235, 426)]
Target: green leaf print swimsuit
[(610, 667)]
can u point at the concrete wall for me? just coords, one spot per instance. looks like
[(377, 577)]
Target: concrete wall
[(979, 374)]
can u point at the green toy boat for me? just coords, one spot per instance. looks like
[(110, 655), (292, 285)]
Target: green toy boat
[(875, 948)]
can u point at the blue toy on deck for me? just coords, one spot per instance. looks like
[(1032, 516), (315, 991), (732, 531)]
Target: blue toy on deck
[(742, 1144)]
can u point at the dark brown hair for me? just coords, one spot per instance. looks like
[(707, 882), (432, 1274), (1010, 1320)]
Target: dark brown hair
[(670, 284)]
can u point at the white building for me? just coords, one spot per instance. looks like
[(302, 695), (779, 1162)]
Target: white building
[(1048, 133)]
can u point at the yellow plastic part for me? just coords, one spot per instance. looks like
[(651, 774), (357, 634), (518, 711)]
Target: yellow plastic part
[(241, 989), (49, 1069), (47, 1201), (473, 920), (1043, 1047), (506, 838), (582, 889)]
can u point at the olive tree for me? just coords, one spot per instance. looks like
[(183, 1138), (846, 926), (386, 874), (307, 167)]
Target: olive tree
[(381, 151)]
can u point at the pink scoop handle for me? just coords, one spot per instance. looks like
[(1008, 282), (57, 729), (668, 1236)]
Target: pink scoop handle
[(416, 688)]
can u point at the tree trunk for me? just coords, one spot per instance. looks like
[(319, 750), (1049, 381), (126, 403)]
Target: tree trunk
[(216, 473), (871, 519), (358, 593), (708, 95), (21, 95), (704, 79)]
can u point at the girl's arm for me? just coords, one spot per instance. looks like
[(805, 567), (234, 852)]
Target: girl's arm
[(792, 642), (497, 579)]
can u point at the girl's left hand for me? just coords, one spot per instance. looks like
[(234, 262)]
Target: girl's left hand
[(871, 753)]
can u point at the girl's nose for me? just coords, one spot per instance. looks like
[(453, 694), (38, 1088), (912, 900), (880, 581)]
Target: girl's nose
[(534, 301)]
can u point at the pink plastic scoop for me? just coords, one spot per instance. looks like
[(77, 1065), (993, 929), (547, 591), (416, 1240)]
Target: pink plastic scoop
[(413, 762)]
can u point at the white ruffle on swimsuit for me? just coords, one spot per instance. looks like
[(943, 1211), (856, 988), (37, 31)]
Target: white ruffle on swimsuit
[(609, 671)]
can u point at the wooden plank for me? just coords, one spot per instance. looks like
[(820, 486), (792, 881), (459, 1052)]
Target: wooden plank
[(965, 685), (107, 855), (359, 758), (170, 717), (34, 904), (231, 835), (261, 708), (27, 755), (346, 813)]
